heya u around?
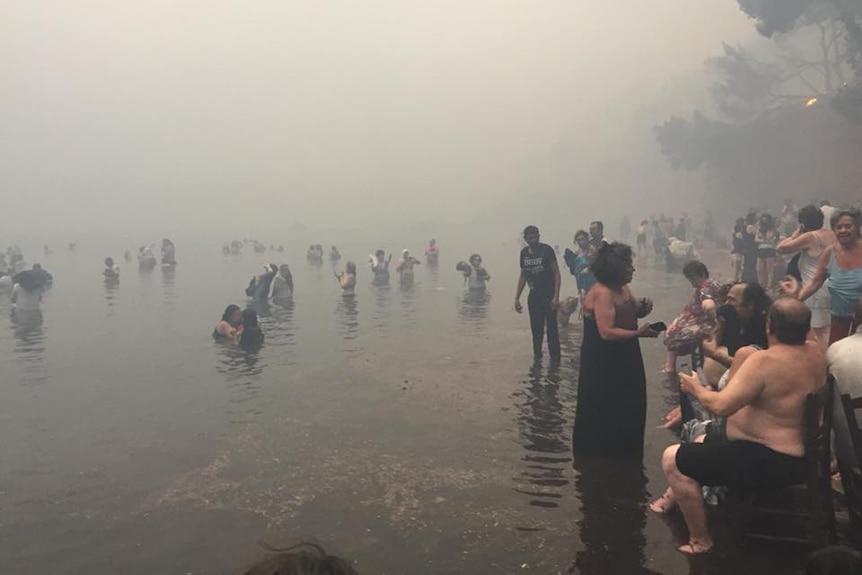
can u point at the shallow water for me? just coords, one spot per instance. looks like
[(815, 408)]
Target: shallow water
[(405, 428)]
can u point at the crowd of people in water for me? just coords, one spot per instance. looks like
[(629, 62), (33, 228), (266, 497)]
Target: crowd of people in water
[(746, 354)]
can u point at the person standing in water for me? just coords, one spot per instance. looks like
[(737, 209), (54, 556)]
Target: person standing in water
[(282, 285), (474, 274), (169, 253), (380, 267), (539, 269), (405, 267), (112, 270), (347, 279), (432, 253)]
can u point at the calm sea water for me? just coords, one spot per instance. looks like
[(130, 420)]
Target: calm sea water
[(404, 428)]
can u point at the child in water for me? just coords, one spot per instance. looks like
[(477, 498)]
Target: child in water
[(347, 278)]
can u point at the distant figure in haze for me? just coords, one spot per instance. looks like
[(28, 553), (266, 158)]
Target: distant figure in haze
[(314, 254), (72, 246), (5, 281), (168, 253), (27, 292), (111, 271), (597, 234), (282, 285), (127, 257), (432, 253), (251, 336), (334, 254), (736, 249), (641, 238), (258, 286), (303, 559), (229, 326), (539, 268), (47, 250), (43, 276), (347, 279), (380, 267), (146, 258), (625, 229), (405, 267), (789, 215), (767, 239), (749, 249), (475, 276)]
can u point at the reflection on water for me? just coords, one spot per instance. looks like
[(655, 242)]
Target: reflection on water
[(347, 310), (613, 500), (382, 300), (473, 306), (241, 369), (168, 277), (276, 321), (112, 287), (543, 408), (408, 300), (29, 347)]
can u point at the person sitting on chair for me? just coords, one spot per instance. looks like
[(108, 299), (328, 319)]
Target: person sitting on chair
[(762, 444)]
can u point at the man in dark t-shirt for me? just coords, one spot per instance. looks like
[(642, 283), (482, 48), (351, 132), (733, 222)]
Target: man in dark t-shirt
[(539, 269)]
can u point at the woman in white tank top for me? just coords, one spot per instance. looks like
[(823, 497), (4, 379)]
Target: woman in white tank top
[(809, 240)]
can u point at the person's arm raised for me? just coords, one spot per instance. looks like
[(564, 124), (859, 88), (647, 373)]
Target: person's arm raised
[(795, 243)]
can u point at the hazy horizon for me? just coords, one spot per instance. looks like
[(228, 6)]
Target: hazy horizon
[(166, 118)]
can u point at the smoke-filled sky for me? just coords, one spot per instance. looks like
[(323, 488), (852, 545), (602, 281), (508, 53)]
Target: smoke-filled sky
[(206, 114)]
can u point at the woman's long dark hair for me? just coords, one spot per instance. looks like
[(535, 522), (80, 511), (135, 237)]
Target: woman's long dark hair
[(228, 312), (610, 264)]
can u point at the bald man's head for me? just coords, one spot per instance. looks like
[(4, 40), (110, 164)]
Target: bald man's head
[(789, 321)]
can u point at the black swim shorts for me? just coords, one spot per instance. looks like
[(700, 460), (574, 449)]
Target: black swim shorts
[(744, 465)]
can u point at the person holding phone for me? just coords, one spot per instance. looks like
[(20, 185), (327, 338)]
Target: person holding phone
[(611, 411)]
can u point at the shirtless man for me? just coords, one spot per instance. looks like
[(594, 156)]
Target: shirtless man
[(762, 445)]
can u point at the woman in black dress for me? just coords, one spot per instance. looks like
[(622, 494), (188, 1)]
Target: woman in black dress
[(611, 411)]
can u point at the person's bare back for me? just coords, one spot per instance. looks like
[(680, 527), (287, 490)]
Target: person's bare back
[(781, 377)]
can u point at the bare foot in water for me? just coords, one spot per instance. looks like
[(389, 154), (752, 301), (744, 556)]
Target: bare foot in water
[(696, 547), (664, 503)]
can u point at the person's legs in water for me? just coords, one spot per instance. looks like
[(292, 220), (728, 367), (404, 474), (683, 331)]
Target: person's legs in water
[(537, 322), (553, 331)]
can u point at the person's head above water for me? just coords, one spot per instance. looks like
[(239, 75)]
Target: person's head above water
[(613, 265), (432, 242), (476, 260), (789, 321), (379, 254), (350, 268), (249, 318), (109, 262), (303, 559), (232, 314), (284, 269)]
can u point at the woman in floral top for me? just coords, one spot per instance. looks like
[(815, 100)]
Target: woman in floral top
[(697, 320)]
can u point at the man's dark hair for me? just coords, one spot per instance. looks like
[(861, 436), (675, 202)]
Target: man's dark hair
[(755, 296), (811, 218), (581, 234), (610, 264), (852, 214), (304, 559), (789, 321), (531, 229), (599, 225), (694, 269)]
